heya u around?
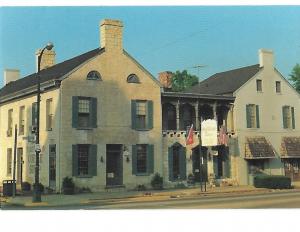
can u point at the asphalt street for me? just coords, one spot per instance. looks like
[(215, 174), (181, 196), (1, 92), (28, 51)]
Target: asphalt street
[(272, 200)]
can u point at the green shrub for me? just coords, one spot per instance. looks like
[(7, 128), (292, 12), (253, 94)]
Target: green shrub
[(180, 186), (25, 186), (141, 187), (272, 182), (68, 186), (40, 187), (157, 182)]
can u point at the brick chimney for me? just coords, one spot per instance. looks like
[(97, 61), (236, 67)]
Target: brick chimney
[(11, 75), (48, 58), (165, 78), (266, 58), (111, 35)]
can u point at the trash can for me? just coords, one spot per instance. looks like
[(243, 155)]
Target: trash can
[(8, 186)]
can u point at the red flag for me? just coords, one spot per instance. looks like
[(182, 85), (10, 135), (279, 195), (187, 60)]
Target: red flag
[(190, 137)]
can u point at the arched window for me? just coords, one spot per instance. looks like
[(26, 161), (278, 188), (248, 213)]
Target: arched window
[(94, 75), (132, 78)]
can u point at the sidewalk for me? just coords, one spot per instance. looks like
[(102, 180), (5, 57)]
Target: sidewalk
[(54, 200)]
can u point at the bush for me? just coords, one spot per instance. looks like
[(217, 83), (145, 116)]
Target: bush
[(68, 186), (191, 179), (180, 186), (25, 186), (157, 182), (141, 187), (272, 182), (40, 187)]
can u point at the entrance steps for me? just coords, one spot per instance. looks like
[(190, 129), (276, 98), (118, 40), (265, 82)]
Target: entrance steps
[(115, 188)]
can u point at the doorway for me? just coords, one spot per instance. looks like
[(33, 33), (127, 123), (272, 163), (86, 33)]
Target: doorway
[(114, 165), (52, 166), (19, 176), (199, 159)]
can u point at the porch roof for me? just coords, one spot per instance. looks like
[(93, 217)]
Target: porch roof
[(258, 148), (290, 147)]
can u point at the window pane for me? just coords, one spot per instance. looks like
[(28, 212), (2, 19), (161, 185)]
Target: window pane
[(278, 87), (83, 120), (252, 116), (84, 106), (259, 85), (142, 158), (9, 161), (141, 108), (83, 159)]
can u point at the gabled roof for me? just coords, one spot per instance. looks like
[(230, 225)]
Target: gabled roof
[(225, 83), (52, 73)]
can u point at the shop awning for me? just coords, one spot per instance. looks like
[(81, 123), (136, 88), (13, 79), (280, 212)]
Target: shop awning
[(258, 148), (290, 147)]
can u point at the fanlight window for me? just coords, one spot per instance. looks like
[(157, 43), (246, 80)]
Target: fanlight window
[(94, 75), (132, 78)]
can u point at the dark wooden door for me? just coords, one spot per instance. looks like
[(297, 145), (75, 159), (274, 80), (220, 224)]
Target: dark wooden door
[(114, 165), (196, 164)]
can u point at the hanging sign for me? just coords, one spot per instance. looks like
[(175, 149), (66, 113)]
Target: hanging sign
[(209, 133)]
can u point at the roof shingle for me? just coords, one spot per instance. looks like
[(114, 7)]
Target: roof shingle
[(52, 73), (225, 83)]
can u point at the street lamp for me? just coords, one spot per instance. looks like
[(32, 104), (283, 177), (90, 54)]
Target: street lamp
[(36, 192)]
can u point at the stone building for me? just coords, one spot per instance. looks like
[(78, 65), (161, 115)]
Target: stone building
[(265, 113), (97, 121)]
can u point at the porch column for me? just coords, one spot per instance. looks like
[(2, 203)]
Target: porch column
[(197, 116), (215, 110), (177, 114)]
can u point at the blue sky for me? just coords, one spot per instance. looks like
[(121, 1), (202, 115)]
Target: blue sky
[(160, 38)]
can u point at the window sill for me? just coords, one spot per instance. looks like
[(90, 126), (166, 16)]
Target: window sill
[(142, 129), (50, 129), (83, 177), (84, 128), (142, 174), (260, 92), (254, 128)]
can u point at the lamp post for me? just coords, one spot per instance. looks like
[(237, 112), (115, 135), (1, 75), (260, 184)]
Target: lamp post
[(36, 193)]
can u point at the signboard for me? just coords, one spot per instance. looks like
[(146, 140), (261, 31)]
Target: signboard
[(209, 133)]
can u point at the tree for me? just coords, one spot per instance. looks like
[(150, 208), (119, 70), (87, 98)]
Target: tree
[(183, 80), (295, 77)]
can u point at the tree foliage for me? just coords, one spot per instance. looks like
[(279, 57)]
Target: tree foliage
[(183, 80), (295, 77)]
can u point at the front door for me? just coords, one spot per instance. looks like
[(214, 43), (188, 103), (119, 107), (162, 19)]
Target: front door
[(52, 166), (114, 165), (199, 157), (19, 176)]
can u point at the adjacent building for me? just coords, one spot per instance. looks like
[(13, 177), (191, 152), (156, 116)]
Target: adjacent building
[(265, 113)]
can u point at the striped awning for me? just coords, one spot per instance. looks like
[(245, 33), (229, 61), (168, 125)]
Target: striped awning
[(290, 147), (258, 148)]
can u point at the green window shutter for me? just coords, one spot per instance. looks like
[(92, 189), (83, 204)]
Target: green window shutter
[(75, 160), (170, 162), (134, 160), (92, 160), (74, 111), (150, 159), (93, 111), (293, 117), (248, 115), (257, 117), (182, 163), (284, 117), (149, 115), (133, 114)]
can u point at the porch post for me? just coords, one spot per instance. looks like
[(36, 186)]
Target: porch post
[(177, 115), (197, 116)]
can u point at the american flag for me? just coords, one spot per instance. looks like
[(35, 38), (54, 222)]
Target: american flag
[(190, 137), (223, 136)]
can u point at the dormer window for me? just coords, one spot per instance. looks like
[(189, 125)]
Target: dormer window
[(94, 75), (132, 78)]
